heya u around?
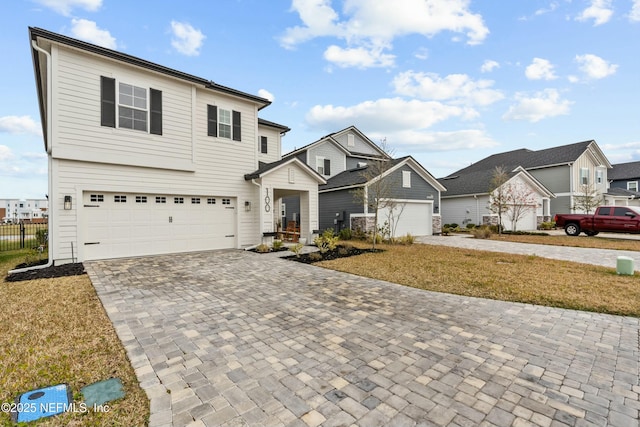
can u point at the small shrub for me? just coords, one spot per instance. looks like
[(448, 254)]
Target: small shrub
[(41, 236), (549, 225), (277, 245), (347, 246), (262, 248), (446, 230), (315, 256), (342, 251), (471, 226), (327, 241), (453, 225), (407, 239), (482, 232), (297, 249), (359, 234), (346, 234)]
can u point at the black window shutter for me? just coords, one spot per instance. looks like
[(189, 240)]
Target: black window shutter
[(263, 144), (236, 126), (212, 120), (327, 167), (156, 111), (107, 101)]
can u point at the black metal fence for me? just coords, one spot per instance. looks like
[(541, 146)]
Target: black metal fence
[(23, 235)]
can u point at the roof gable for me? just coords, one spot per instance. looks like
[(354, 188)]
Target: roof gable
[(337, 139), (267, 168)]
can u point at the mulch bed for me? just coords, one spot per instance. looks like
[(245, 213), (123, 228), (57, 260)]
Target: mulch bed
[(71, 269), (339, 252)]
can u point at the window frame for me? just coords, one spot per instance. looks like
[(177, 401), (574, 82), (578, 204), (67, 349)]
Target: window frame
[(629, 186), (264, 145), (112, 103), (584, 176), (406, 179)]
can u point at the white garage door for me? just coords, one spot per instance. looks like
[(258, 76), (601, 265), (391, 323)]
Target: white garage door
[(410, 217), (124, 224), (527, 222)]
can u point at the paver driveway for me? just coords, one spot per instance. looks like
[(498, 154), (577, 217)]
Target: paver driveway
[(236, 338)]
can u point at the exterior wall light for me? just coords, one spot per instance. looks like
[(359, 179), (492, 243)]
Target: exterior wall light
[(67, 203), (247, 205)]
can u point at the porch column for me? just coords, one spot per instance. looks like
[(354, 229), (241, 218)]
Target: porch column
[(305, 209)]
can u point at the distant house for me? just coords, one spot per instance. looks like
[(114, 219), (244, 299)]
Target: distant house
[(32, 210), (558, 175), (624, 184), (344, 158), (149, 160)]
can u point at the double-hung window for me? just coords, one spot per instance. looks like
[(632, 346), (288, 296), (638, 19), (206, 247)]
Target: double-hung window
[(130, 106), (632, 185), (223, 123), (323, 166), (584, 176)]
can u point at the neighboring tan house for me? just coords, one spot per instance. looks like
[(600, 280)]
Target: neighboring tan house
[(144, 159), (624, 184), (344, 158), (565, 171)]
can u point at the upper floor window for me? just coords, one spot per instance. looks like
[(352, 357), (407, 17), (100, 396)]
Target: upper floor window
[(406, 179), (584, 176), (323, 166), (599, 176), (223, 123), (138, 108), (632, 185), (351, 140), (263, 145)]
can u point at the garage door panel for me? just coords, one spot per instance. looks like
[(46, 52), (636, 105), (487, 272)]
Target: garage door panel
[(122, 229), (413, 218)]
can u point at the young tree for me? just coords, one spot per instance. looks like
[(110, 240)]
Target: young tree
[(587, 200), (378, 194), (520, 200), (497, 197)]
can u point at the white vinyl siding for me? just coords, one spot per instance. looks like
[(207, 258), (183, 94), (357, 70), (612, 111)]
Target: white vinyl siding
[(76, 123)]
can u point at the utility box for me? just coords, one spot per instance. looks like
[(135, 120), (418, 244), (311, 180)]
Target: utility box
[(624, 265)]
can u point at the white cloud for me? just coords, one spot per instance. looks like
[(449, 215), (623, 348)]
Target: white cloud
[(538, 107), (20, 124), (595, 67), (634, 15), (263, 93), (600, 11), (89, 31), (540, 69), (186, 39), (359, 57), (5, 153), (418, 142), (373, 26), (64, 7), (387, 114), (457, 88), (488, 66)]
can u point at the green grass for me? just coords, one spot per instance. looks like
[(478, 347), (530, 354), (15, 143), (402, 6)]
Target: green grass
[(56, 331), (501, 276)]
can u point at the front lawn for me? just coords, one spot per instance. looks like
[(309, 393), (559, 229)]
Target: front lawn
[(55, 331), (501, 276), (581, 241)]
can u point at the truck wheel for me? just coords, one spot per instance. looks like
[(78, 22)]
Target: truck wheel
[(572, 229)]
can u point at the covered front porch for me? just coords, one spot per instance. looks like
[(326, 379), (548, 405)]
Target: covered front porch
[(287, 178)]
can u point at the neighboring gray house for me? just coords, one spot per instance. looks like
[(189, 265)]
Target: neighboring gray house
[(343, 158), (562, 171), (624, 184)]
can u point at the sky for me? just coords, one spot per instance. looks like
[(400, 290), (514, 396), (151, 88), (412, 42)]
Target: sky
[(448, 82)]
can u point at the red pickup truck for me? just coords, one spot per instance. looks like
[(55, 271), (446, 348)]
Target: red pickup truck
[(613, 219)]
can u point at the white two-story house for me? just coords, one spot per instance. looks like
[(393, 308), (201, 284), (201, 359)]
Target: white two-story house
[(144, 159)]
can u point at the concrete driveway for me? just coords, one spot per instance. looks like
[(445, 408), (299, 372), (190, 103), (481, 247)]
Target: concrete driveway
[(235, 338)]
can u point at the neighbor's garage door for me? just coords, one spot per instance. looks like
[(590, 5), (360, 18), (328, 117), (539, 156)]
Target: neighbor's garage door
[(124, 224), (413, 218)]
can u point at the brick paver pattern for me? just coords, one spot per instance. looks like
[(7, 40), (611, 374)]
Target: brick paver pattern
[(233, 338)]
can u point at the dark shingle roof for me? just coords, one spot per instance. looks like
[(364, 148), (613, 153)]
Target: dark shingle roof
[(354, 177), (624, 171), (476, 178), (614, 191)]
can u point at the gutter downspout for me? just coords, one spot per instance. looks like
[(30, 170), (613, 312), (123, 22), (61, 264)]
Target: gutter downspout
[(49, 163), (253, 181)]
